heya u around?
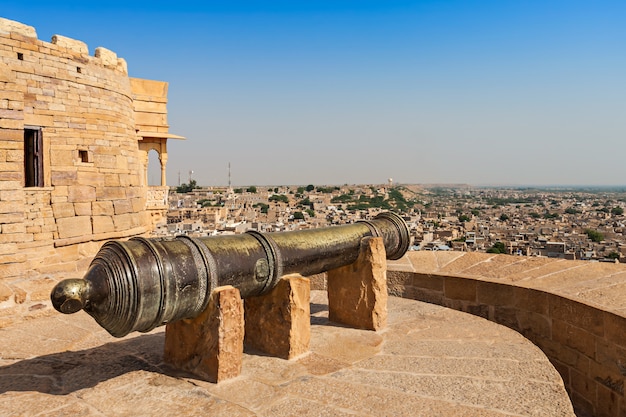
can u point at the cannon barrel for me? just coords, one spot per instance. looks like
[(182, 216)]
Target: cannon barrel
[(139, 284)]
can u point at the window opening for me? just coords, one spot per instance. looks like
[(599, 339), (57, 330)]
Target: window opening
[(33, 158), (20, 56), (83, 155)]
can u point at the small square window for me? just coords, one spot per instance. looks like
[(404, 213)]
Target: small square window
[(83, 156), (79, 70), (20, 56)]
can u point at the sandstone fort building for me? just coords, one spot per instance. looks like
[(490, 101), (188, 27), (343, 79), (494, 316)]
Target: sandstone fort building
[(75, 132)]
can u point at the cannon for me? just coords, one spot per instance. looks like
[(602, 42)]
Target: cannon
[(143, 283)]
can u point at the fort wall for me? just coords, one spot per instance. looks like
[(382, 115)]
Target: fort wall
[(572, 310), (86, 182)]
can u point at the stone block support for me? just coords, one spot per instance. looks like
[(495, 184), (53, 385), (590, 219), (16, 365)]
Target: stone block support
[(357, 293), (279, 323), (210, 345)]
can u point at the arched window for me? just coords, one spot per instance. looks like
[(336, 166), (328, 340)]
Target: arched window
[(154, 168)]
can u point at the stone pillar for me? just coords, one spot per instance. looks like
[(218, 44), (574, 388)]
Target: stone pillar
[(163, 159), (279, 323), (357, 293), (210, 345), (144, 161)]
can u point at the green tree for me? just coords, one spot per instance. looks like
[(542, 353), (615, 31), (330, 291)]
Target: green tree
[(298, 215), (464, 218), (613, 255), (343, 198), (497, 247), (263, 207), (310, 187), (279, 198), (594, 235), (301, 190), (305, 202), (238, 190), (326, 190), (504, 217), (534, 215), (186, 188), (617, 211), (251, 189), (310, 212)]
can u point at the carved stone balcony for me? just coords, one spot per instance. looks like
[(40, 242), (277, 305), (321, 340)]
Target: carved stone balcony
[(156, 198)]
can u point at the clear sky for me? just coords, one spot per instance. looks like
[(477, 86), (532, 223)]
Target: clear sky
[(498, 92)]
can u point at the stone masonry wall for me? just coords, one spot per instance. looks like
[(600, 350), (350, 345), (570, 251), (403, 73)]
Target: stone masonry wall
[(93, 186), (572, 310)]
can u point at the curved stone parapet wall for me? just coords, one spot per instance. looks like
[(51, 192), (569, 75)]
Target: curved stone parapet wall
[(93, 187), (573, 310)]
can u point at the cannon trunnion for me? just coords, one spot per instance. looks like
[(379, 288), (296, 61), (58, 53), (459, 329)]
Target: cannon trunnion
[(140, 284)]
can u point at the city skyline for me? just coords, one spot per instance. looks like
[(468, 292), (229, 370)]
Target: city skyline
[(346, 92)]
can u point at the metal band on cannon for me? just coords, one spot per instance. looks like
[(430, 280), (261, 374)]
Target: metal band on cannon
[(142, 283)]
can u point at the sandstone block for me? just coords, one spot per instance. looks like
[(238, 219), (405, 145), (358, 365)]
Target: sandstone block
[(13, 155), (577, 314), (357, 293), (573, 337), (38, 119), (279, 323), (103, 224), (74, 226), (108, 57), (460, 288), (43, 236), (6, 74), (10, 124), (11, 207), (63, 210), (138, 204), (111, 180), (82, 209), (122, 222), (122, 65), (12, 195), (62, 157), (122, 206), (5, 293), (110, 193), (14, 228), (492, 293), (7, 184), (14, 238), (11, 26), (72, 44), (63, 178), (90, 178), (210, 345), (81, 193), (100, 208)]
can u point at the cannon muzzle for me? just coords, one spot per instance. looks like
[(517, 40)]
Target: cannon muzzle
[(139, 284)]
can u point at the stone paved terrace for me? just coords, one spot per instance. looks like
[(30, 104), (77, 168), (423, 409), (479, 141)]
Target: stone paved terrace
[(429, 361), (573, 310)]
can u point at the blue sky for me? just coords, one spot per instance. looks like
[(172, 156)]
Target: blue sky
[(334, 92)]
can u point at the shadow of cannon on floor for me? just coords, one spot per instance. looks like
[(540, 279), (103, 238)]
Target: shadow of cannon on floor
[(66, 372)]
